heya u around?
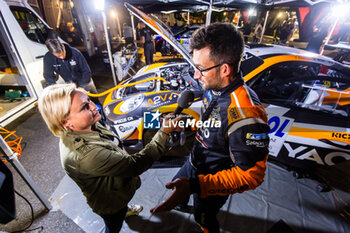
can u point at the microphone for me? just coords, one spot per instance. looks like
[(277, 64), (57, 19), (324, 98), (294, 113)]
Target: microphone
[(184, 101)]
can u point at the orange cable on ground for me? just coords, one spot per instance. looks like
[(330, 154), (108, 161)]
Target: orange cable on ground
[(12, 140)]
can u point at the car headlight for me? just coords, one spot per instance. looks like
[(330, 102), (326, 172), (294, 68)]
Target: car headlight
[(132, 103)]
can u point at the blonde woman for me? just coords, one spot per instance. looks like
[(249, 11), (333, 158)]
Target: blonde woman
[(93, 156)]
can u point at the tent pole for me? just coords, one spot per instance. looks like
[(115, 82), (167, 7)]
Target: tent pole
[(109, 50), (208, 19), (330, 34), (133, 26), (264, 27), (118, 22)]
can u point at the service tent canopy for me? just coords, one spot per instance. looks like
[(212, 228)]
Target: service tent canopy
[(150, 6), (153, 6)]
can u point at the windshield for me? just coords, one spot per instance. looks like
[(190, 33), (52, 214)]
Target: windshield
[(31, 25)]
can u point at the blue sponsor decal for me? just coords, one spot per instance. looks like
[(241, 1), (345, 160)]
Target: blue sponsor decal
[(151, 120), (254, 136)]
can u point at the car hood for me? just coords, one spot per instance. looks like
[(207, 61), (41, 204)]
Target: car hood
[(155, 26)]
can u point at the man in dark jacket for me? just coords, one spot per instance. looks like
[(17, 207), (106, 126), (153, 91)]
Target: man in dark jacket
[(230, 158), (67, 62), (148, 43), (247, 29)]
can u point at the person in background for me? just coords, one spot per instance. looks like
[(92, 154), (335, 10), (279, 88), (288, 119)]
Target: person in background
[(231, 158), (64, 32), (275, 34), (320, 32), (146, 38), (175, 27), (247, 29), (94, 157), (128, 35), (291, 28), (283, 32), (69, 63), (258, 30), (287, 30), (138, 30)]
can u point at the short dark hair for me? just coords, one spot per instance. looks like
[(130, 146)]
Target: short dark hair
[(51, 34), (223, 39), (54, 45)]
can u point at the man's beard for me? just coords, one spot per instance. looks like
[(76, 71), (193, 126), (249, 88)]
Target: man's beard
[(218, 81)]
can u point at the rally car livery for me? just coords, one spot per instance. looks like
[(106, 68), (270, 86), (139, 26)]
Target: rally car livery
[(307, 98)]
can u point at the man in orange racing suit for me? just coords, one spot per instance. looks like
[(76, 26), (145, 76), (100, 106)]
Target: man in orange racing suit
[(231, 158)]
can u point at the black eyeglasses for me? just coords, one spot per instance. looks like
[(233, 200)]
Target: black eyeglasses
[(207, 69)]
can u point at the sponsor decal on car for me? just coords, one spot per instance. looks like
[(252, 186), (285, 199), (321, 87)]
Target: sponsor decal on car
[(345, 136), (125, 128), (279, 128), (162, 99), (321, 156), (124, 120)]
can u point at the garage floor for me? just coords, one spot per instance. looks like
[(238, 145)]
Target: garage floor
[(282, 203), (297, 203)]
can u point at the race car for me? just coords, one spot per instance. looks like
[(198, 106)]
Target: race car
[(155, 87), (306, 97)]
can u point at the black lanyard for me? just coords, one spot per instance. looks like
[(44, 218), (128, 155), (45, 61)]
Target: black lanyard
[(210, 108)]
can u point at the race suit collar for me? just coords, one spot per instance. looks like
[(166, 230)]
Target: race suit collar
[(238, 81)]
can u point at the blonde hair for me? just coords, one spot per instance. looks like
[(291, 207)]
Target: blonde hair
[(54, 106)]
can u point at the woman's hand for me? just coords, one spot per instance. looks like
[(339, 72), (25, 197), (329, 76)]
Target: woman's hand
[(170, 124)]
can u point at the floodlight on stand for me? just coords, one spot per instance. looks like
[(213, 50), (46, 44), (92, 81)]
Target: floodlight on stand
[(252, 12), (338, 11), (100, 4), (71, 3), (114, 15)]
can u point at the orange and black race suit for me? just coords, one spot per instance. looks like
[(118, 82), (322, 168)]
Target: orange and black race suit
[(231, 158), (229, 154)]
